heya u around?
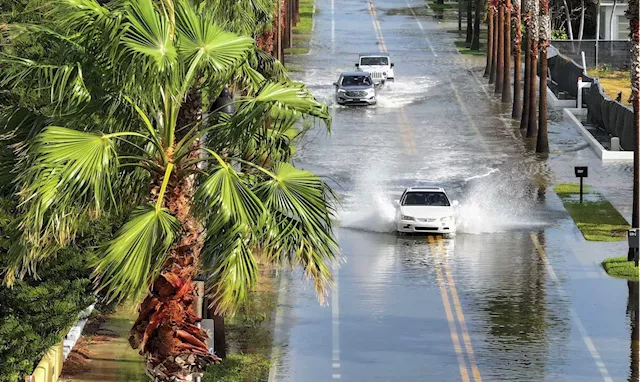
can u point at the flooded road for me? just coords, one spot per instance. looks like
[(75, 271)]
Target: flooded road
[(516, 295)]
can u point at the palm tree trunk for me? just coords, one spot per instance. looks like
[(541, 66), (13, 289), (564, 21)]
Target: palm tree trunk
[(166, 331), (506, 81), (542, 144), (475, 43), (532, 126), (634, 33), (524, 120), (488, 67), (494, 57), (500, 71), (517, 52), (469, 22)]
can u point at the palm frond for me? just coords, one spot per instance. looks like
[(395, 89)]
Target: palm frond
[(135, 256)]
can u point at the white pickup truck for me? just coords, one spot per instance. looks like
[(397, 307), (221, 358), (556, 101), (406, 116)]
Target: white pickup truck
[(378, 65)]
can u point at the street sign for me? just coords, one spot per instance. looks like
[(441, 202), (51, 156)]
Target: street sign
[(581, 172)]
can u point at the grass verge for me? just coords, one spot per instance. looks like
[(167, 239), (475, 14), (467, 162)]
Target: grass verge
[(613, 82), (302, 31), (596, 218), (462, 48), (619, 267), (249, 337)]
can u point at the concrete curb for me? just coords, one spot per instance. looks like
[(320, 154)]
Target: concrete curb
[(76, 331), (570, 114)]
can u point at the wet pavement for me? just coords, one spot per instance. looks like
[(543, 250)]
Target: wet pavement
[(517, 294)]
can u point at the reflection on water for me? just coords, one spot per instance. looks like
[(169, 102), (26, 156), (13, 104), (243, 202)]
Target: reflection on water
[(632, 314)]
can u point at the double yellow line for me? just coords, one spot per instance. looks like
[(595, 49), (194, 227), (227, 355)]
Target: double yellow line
[(445, 277), (407, 133)]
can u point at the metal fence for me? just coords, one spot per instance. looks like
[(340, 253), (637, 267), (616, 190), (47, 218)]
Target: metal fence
[(613, 53), (610, 115)]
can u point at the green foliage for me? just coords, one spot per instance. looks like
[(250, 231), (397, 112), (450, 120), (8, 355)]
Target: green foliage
[(559, 34), (619, 267), (596, 218), (239, 368)]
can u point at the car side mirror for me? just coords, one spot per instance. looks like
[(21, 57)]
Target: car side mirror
[(455, 203), (392, 64), (357, 65), (335, 84)]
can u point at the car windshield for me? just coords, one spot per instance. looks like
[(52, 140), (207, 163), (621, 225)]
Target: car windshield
[(425, 199), (356, 81), (374, 61)]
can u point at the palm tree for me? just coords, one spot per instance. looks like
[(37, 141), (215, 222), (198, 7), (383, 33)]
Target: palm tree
[(493, 4), (489, 67), (634, 33), (526, 11), (506, 81), (532, 32), (475, 43), (500, 57), (542, 143), (108, 121), (517, 52)]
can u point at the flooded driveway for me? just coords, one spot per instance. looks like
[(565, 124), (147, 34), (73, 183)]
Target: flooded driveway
[(516, 295)]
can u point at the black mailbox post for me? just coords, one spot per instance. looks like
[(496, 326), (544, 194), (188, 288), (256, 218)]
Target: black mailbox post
[(632, 235), (581, 172)]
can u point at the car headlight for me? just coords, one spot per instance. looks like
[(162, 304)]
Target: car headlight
[(371, 91), (446, 219), (407, 217), (341, 91)]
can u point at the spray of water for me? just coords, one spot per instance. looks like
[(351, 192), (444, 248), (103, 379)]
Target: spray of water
[(495, 203)]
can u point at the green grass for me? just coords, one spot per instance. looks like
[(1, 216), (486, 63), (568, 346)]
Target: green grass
[(462, 48), (239, 368), (613, 82), (296, 50), (619, 267), (596, 218), (302, 31)]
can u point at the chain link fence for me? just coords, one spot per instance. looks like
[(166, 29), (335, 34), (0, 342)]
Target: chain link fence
[(613, 53)]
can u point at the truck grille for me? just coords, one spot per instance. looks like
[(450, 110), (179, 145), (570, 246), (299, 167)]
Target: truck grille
[(377, 75), (356, 94)]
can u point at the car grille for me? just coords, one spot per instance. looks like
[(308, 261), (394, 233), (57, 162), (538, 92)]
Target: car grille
[(428, 220), (377, 75), (426, 228), (356, 94)]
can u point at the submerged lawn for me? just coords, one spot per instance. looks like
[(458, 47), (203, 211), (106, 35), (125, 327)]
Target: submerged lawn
[(620, 268), (596, 218), (613, 82)]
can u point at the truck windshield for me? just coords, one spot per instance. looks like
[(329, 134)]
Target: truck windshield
[(374, 61), (425, 199)]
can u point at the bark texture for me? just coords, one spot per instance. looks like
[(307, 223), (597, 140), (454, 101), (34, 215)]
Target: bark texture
[(516, 111), (500, 70), (494, 53), (542, 143), (634, 33), (488, 66), (506, 81)]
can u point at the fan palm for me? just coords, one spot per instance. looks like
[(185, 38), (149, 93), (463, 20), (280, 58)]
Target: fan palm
[(107, 120)]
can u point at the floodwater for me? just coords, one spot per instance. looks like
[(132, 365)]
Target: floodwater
[(516, 295)]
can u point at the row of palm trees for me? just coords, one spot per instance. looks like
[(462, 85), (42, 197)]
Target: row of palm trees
[(502, 14), (102, 116)]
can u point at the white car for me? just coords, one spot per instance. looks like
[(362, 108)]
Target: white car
[(379, 65), (425, 210)]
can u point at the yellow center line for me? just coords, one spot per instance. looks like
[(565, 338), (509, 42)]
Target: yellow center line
[(459, 313), (447, 309)]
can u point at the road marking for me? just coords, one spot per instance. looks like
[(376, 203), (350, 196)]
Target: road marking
[(407, 134), (450, 319), (422, 29), (574, 315), (458, 308), (333, 27), (335, 322)]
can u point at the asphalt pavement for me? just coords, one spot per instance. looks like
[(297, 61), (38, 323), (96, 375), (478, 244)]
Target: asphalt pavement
[(516, 295)]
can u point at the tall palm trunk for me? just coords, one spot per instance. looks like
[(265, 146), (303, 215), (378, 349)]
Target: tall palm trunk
[(517, 52), (506, 81), (524, 119), (488, 67), (532, 32), (542, 144), (166, 331), (500, 71), (634, 33), (494, 57), (469, 22), (475, 43)]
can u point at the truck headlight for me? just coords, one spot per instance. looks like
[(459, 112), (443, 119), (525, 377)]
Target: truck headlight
[(407, 217), (341, 91), (446, 219)]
